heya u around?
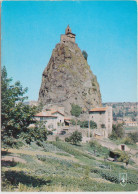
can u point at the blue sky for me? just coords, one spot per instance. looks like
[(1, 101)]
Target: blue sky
[(107, 30)]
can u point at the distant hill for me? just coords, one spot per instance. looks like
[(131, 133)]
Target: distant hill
[(124, 109)]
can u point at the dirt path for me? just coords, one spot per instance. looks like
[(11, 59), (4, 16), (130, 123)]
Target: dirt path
[(13, 159), (34, 153)]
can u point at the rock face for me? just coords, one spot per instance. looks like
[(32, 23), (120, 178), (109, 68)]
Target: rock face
[(68, 79)]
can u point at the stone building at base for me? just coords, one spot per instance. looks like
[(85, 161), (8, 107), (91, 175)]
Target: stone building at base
[(102, 116), (54, 119)]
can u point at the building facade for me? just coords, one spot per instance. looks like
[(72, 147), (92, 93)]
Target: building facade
[(68, 36), (102, 116), (54, 119)]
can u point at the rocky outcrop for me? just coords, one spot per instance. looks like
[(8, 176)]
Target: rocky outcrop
[(68, 79)]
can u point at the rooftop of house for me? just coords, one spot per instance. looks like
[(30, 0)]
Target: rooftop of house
[(99, 109), (45, 114), (48, 113)]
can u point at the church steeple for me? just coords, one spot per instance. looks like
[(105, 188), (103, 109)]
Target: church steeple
[(68, 30)]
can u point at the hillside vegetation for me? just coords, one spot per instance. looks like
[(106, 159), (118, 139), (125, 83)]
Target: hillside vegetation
[(60, 166)]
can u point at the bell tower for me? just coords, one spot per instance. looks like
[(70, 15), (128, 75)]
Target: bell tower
[(68, 30)]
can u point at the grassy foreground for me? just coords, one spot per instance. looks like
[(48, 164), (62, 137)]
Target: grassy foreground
[(60, 166)]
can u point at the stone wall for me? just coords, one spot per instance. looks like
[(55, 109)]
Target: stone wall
[(67, 38)]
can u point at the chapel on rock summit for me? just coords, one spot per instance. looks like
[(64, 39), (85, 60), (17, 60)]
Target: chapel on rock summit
[(68, 36)]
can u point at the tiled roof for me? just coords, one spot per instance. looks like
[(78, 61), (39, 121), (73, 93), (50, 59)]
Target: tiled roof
[(100, 109), (44, 114), (48, 113)]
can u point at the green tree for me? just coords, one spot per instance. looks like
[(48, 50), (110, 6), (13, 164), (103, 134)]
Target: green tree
[(117, 131), (123, 157), (93, 125), (128, 141), (75, 138), (85, 54), (94, 144), (84, 124), (38, 133), (15, 116), (134, 137), (75, 111), (73, 122)]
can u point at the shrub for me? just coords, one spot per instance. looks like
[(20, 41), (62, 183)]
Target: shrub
[(128, 141), (134, 136), (94, 143), (93, 125), (124, 157), (73, 122), (78, 122), (85, 55), (75, 138), (75, 110), (117, 132), (67, 139), (113, 135), (84, 124)]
